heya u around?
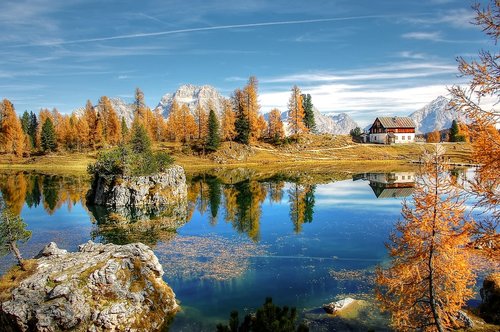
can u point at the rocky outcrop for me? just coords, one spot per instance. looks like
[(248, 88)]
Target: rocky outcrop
[(335, 307), (490, 294), (161, 189), (99, 288)]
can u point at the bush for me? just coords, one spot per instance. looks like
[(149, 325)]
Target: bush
[(124, 161)]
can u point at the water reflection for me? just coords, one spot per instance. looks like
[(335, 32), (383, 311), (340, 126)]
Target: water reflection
[(34, 189), (387, 185), (237, 200)]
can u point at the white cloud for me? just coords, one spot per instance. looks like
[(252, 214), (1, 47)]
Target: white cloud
[(419, 35)]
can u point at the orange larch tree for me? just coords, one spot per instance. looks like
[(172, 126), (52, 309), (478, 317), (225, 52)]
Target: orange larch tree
[(433, 137), (296, 112), (201, 118), (484, 75), (83, 134), (228, 120), (275, 126), (186, 124), (252, 108), (12, 137), (90, 116), (429, 277)]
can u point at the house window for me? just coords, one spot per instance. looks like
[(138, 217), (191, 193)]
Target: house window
[(403, 138), (409, 138)]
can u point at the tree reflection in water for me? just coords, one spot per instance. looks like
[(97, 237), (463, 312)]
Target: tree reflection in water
[(238, 203)]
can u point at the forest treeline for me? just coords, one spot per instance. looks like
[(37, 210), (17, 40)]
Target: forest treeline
[(100, 126)]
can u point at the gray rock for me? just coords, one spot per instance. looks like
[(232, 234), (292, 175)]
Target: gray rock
[(464, 320), (340, 305), (100, 288), (156, 190)]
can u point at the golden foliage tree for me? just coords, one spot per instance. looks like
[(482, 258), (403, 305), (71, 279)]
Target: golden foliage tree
[(12, 136), (228, 120), (110, 123), (181, 123), (296, 112), (173, 122), (201, 118), (434, 137), (275, 126), (83, 134), (90, 116), (484, 75), (251, 108), (429, 277)]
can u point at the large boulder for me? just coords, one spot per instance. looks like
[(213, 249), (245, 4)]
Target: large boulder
[(99, 288), (490, 294), (160, 189)]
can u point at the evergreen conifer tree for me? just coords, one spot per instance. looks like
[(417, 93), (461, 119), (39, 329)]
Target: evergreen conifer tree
[(48, 137), (213, 140), (140, 140), (309, 121), (454, 131)]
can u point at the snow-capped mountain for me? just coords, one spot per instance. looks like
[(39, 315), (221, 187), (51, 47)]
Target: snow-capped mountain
[(121, 108), (192, 95), (340, 124), (435, 116)]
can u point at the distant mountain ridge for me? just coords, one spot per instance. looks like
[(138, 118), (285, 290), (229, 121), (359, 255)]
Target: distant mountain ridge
[(122, 109), (437, 115), (192, 95), (339, 124)]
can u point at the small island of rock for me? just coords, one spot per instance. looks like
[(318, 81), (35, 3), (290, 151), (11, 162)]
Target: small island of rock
[(160, 189)]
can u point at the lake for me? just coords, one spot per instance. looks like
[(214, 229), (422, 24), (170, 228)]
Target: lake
[(303, 240)]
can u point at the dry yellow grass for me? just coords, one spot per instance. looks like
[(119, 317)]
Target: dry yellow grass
[(310, 152), (12, 278)]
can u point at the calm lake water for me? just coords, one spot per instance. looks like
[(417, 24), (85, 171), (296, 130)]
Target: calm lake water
[(303, 241)]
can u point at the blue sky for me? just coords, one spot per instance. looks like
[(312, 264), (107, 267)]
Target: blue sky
[(365, 58)]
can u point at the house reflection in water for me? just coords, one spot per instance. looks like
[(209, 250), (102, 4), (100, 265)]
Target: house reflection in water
[(387, 185)]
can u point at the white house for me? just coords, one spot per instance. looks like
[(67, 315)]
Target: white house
[(389, 130)]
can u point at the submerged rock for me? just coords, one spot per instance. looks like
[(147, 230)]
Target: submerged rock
[(340, 305), (99, 288), (157, 190)]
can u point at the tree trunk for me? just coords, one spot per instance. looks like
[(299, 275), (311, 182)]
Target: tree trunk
[(432, 295), (17, 253)]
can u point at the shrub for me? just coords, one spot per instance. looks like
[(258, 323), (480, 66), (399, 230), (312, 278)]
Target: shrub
[(123, 160)]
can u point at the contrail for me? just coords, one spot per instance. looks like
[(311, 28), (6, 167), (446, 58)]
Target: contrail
[(220, 27)]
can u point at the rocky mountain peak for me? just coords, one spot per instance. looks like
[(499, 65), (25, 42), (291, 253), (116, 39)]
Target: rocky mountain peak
[(436, 115), (192, 96)]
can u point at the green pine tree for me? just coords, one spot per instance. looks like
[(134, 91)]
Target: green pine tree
[(140, 141), (242, 127), (25, 122), (12, 230), (308, 113), (454, 131), (213, 140), (124, 129), (356, 132), (33, 128), (48, 136)]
